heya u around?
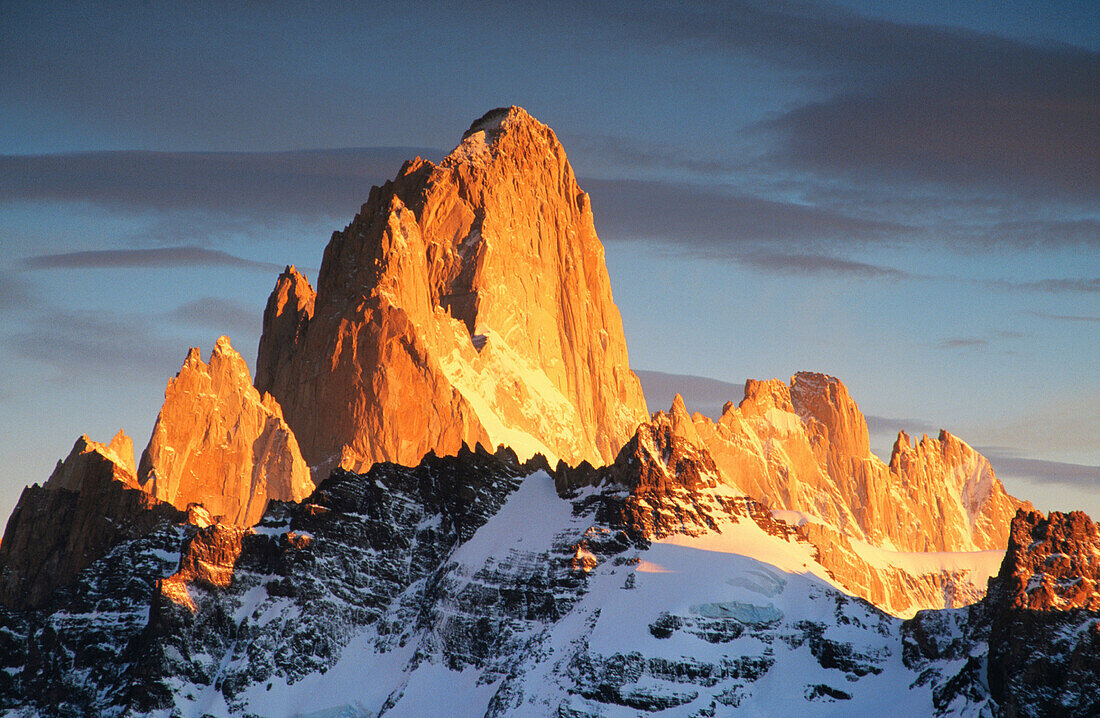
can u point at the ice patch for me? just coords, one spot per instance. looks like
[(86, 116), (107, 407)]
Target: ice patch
[(763, 582), (743, 612)]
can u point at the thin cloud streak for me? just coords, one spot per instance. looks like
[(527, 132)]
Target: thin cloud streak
[(704, 218), (1065, 317), (223, 315), (963, 343), (816, 264), (308, 183), (1088, 285), (701, 394), (1008, 463), (77, 342), (164, 257)]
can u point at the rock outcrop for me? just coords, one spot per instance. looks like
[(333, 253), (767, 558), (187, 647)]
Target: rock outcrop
[(804, 447), (468, 302), (91, 502), (218, 443), (1052, 562), (1031, 647)]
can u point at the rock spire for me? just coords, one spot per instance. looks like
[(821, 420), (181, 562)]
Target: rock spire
[(218, 443)]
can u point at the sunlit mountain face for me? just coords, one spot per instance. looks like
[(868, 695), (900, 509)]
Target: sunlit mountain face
[(287, 530)]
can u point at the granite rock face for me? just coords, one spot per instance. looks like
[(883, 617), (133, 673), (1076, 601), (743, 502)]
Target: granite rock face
[(468, 302), (802, 450), (804, 447), (90, 503), (218, 443)]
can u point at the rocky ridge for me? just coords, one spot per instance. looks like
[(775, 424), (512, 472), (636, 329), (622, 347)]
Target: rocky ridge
[(91, 502), (1031, 647), (802, 451), (804, 447), (471, 577)]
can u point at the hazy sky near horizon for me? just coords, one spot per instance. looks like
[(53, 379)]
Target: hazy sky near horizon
[(904, 195)]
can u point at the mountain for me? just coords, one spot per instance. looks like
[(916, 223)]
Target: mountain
[(513, 590), (467, 302), (91, 502), (804, 447), (218, 443), (340, 537)]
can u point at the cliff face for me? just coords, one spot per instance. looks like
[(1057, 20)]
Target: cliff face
[(467, 302), (1031, 647), (91, 502), (804, 447), (218, 443)]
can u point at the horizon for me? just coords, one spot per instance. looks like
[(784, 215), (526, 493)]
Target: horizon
[(945, 268)]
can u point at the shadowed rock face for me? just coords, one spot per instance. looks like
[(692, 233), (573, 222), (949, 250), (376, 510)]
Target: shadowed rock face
[(1052, 562), (1038, 628), (91, 502), (467, 302), (218, 443)]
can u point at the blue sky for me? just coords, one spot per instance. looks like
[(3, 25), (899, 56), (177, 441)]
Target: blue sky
[(906, 196)]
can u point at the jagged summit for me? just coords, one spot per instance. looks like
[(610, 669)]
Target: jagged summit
[(804, 447), (467, 302), (70, 473), (288, 311), (218, 443), (91, 501)]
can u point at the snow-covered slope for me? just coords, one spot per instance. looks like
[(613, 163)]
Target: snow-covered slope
[(476, 586)]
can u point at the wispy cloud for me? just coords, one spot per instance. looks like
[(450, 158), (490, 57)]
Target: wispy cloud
[(704, 218), (14, 292), (1008, 462), (963, 343), (891, 426), (816, 264), (1065, 317), (907, 102), (313, 183), (222, 315), (75, 341), (164, 257), (702, 394), (1053, 286)]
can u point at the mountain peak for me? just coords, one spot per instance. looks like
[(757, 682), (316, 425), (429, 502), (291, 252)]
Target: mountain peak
[(824, 402), (467, 302), (497, 119), (217, 442)]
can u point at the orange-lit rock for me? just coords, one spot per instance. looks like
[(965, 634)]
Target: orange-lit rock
[(288, 311), (218, 443), (467, 302), (804, 447), (206, 560), (90, 502), (1052, 563)]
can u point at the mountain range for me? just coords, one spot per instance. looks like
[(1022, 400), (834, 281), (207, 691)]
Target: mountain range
[(443, 493)]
